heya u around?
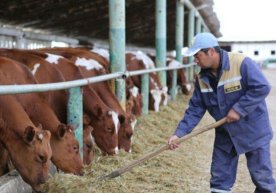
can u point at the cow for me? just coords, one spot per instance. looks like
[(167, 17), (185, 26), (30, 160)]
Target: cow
[(28, 145), (134, 102), (104, 120), (63, 141), (133, 97), (158, 93), (88, 153), (182, 82), (43, 73), (93, 65), (4, 161)]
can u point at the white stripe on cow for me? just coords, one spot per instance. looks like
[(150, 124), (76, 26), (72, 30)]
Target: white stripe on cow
[(165, 93), (115, 120), (134, 91), (156, 95), (102, 52), (174, 63), (89, 64), (154, 83), (189, 87), (116, 123), (133, 124), (53, 58), (36, 66), (147, 61)]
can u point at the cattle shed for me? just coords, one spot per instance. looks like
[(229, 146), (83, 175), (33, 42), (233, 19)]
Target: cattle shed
[(35, 24), (88, 21)]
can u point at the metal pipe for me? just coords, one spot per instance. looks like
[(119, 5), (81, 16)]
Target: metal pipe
[(190, 6), (27, 88), (75, 114), (145, 93), (179, 33), (160, 37), (191, 33), (117, 45)]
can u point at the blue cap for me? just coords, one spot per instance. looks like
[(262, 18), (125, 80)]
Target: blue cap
[(201, 41)]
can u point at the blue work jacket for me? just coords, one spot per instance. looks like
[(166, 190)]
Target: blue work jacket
[(241, 86)]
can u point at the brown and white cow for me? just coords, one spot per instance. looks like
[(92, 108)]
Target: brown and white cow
[(182, 82), (133, 97), (88, 153), (28, 146), (103, 119), (93, 65), (134, 101), (63, 141), (158, 93)]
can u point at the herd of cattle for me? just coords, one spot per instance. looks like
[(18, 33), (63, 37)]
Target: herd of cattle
[(33, 126)]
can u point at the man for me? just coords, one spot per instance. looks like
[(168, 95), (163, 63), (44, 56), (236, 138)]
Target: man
[(230, 85)]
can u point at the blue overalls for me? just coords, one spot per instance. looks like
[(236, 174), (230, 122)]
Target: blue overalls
[(242, 86)]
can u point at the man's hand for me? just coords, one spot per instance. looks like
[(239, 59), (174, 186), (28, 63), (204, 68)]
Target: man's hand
[(232, 116), (171, 142)]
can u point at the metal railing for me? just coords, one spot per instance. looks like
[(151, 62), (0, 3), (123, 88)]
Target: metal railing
[(74, 106)]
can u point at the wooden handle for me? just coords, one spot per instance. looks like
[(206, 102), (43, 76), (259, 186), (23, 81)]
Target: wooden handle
[(195, 132)]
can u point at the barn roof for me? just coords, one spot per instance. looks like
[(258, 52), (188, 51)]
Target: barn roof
[(88, 20)]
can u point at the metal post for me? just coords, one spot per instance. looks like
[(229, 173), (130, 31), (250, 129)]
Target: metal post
[(117, 45), (191, 33), (198, 25), (145, 93), (20, 41), (75, 116), (160, 37), (198, 30), (179, 42)]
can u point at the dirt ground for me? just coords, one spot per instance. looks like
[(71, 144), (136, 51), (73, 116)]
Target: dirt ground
[(185, 170)]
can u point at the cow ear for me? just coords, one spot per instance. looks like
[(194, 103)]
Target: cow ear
[(29, 134), (61, 130), (122, 119)]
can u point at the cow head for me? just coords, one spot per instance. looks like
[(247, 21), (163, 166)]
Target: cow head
[(134, 101), (184, 85), (66, 154), (127, 122), (88, 153), (30, 155), (106, 127)]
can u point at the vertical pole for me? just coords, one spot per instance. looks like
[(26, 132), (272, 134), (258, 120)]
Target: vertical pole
[(198, 25), (191, 33), (117, 45), (179, 42), (160, 35), (145, 93), (20, 41), (74, 115), (198, 30)]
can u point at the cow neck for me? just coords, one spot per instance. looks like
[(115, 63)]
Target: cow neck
[(91, 101), (13, 117)]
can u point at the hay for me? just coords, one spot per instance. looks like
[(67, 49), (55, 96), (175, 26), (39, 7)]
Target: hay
[(185, 170)]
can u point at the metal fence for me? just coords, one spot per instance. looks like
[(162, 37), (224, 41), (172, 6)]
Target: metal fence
[(74, 106)]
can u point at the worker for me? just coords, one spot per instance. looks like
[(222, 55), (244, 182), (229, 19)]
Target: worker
[(230, 85)]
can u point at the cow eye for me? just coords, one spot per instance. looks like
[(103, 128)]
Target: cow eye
[(110, 130), (76, 149), (129, 135)]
